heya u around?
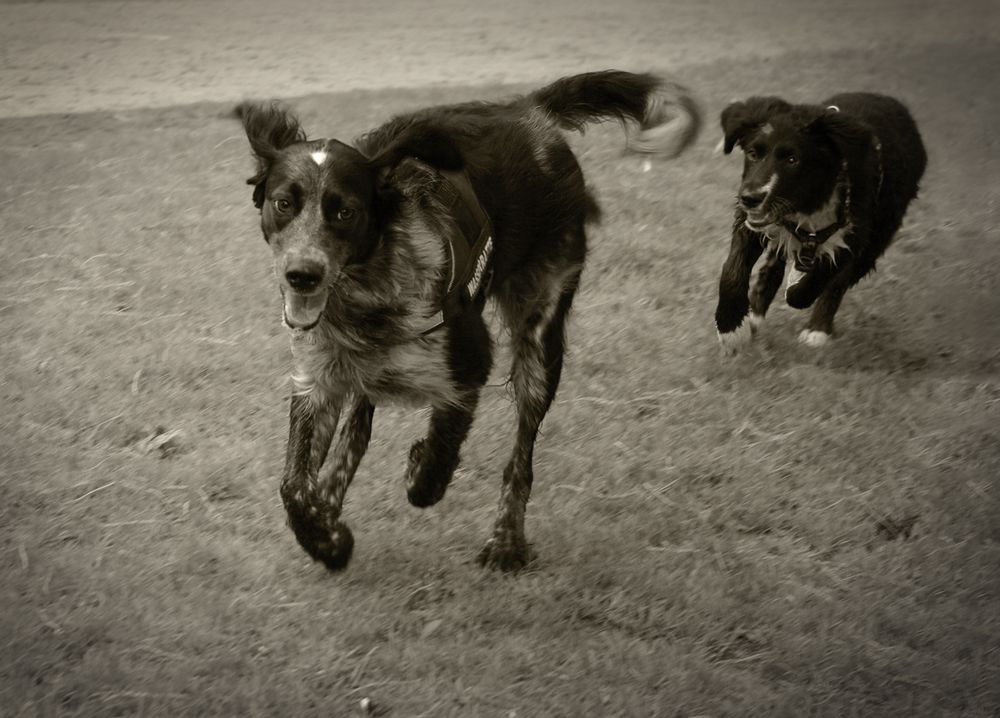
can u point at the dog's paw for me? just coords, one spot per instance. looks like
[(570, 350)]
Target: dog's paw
[(794, 277), (507, 552), (424, 486), (732, 342), (332, 547), (814, 338)]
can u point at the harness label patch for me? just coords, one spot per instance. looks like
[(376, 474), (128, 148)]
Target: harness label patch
[(481, 261)]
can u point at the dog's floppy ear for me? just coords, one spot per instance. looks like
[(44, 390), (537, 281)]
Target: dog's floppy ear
[(269, 129), (850, 137), (741, 117), (430, 144), (854, 142)]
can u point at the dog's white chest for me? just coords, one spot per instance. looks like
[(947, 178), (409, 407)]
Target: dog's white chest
[(414, 372), (781, 240)]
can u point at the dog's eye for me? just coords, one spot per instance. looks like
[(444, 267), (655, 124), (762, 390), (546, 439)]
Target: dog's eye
[(283, 206), (791, 160), (345, 213), (751, 154)]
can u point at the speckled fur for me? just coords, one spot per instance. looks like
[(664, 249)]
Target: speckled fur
[(361, 228)]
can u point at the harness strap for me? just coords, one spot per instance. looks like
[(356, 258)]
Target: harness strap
[(470, 254), (817, 237)]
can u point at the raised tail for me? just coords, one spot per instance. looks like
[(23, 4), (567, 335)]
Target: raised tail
[(665, 115)]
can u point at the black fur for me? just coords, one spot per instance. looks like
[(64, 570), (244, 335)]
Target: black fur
[(851, 164), (357, 232)]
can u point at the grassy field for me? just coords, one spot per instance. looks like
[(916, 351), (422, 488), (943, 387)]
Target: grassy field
[(789, 533)]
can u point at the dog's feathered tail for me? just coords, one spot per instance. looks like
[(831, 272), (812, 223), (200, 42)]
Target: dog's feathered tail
[(666, 117)]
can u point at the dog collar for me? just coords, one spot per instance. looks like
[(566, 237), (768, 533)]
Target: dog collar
[(817, 237), (470, 251)]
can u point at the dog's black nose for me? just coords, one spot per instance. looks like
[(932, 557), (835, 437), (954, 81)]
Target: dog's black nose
[(749, 200), (304, 276)]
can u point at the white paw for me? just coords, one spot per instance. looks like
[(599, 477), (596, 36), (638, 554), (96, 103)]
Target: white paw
[(813, 338), (732, 342), (755, 321)]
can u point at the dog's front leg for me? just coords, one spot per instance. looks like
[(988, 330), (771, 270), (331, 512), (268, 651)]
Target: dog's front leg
[(734, 287), (433, 460), (313, 489), (769, 277)]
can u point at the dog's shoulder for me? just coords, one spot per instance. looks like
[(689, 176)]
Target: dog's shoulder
[(885, 117), (886, 123)]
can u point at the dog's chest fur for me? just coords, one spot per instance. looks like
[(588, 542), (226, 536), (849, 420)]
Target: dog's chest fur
[(413, 372), (789, 245), (388, 359)]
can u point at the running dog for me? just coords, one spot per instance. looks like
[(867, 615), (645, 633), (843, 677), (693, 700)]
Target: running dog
[(824, 187), (385, 251)]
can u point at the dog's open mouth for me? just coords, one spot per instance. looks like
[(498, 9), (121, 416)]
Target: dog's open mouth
[(302, 311), (759, 221)]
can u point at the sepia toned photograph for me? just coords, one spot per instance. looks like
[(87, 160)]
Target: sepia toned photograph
[(466, 358)]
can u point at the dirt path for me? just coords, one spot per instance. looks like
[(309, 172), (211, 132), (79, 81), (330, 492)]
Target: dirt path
[(78, 55)]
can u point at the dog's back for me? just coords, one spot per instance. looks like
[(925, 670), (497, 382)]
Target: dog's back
[(904, 158), (519, 162)]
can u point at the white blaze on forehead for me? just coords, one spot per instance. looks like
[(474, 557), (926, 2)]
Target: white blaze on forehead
[(767, 128), (319, 157)]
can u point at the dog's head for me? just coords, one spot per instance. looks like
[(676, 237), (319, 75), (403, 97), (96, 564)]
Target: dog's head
[(793, 155), (323, 204)]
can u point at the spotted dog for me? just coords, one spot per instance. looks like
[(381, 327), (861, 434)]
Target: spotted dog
[(824, 187), (385, 250)]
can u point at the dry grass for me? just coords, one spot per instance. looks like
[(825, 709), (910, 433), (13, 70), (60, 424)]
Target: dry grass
[(792, 533)]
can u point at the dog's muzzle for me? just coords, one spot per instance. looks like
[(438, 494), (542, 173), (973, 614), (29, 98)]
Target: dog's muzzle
[(302, 281)]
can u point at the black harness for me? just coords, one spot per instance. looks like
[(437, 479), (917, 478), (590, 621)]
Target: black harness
[(810, 241), (470, 254)]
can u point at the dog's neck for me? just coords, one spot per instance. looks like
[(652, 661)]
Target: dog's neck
[(802, 237), (822, 224)]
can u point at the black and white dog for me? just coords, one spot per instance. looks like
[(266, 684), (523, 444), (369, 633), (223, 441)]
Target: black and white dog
[(385, 251), (824, 187)]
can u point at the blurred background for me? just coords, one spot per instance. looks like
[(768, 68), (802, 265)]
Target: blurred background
[(80, 55)]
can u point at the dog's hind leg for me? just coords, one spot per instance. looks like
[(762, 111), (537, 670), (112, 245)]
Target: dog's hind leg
[(537, 327), (769, 276), (315, 480)]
